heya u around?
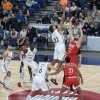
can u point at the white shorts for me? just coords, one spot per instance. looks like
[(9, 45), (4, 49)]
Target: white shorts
[(33, 65), (39, 83), (59, 52), (5, 66)]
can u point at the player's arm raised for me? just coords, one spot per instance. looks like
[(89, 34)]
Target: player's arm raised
[(57, 71), (81, 38)]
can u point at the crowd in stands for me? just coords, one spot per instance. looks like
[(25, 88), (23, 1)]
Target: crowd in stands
[(14, 16)]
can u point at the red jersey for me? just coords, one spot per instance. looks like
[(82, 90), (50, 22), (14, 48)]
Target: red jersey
[(70, 75), (73, 52)]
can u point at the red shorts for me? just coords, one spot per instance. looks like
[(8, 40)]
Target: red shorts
[(71, 81)]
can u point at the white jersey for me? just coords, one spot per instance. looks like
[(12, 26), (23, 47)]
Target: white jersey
[(39, 81), (59, 50), (21, 55), (29, 56), (42, 69), (58, 38), (9, 57), (29, 60), (6, 62)]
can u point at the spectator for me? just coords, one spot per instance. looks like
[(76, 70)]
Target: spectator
[(82, 3), (11, 23), (7, 21), (14, 2), (94, 11), (81, 16), (86, 29), (6, 35), (63, 3), (1, 13), (29, 3), (26, 11), (73, 7), (46, 20), (23, 33), (55, 18), (7, 5), (16, 9), (21, 3), (31, 35), (97, 3), (13, 37), (1, 33), (14, 33), (92, 31), (66, 23), (20, 16), (21, 20), (98, 28)]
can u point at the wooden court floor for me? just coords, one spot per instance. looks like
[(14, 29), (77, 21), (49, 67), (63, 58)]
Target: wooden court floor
[(91, 76)]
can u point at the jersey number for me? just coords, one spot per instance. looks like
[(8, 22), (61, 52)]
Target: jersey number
[(40, 71), (56, 39), (70, 70)]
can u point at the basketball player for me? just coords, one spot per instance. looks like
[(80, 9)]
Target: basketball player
[(41, 78), (21, 71), (59, 50), (39, 81), (7, 56), (58, 39), (71, 80), (74, 45), (74, 50), (28, 56), (21, 42), (52, 67)]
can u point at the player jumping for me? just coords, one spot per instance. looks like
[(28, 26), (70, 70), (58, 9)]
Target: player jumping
[(74, 44)]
